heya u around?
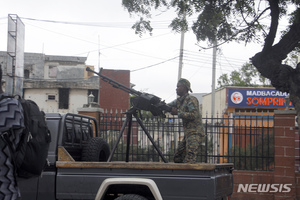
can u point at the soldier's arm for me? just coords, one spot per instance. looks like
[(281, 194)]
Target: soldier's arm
[(173, 103)]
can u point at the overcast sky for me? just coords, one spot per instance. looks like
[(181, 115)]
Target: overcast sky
[(106, 25)]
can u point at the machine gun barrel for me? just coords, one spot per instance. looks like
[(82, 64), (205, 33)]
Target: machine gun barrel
[(142, 101), (114, 83)]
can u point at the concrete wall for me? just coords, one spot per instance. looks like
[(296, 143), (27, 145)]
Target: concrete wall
[(77, 98), (65, 72), (38, 63), (220, 103), (35, 63), (40, 96)]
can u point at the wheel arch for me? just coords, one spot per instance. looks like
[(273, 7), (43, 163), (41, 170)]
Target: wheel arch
[(141, 186)]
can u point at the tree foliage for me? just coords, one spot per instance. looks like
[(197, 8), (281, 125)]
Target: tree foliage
[(221, 20), (246, 76), (240, 20)]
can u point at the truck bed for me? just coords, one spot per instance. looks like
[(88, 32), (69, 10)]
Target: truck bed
[(194, 181), (66, 161)]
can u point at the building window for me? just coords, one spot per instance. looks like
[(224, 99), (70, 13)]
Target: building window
[(253, 110), (26, 74), (51, 97), (52, 71), (63, 98)]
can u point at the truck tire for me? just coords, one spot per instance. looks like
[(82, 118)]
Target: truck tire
[(96, 150), (131, 197)]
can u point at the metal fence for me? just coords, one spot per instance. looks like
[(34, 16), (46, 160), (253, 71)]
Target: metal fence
[(245, 140)]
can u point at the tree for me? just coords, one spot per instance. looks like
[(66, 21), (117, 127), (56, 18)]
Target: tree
[(239, 20), (246, 76)]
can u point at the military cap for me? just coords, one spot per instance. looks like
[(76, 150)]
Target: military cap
[(186, 83)]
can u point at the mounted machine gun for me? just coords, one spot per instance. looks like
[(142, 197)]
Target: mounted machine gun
[(142, 101)]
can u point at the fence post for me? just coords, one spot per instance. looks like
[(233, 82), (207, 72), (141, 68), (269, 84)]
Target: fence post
[(284, 158), (91, 112)]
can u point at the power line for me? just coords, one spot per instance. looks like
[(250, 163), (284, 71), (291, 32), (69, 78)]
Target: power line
[(62, 34), (153, 65), (162, 24), (193, 62), (106, 47), (190, 57), (197, 55)]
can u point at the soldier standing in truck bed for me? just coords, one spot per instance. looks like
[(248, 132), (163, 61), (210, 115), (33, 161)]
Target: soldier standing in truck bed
[(187, 108)]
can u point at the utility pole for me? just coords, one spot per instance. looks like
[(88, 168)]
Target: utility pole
[(213, 85), (179, 74), (99, 53), (180, 70), (213, 137), (181, 55), (181, 47)]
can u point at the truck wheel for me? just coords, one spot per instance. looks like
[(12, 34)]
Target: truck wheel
[(131, 197), (96, 150)]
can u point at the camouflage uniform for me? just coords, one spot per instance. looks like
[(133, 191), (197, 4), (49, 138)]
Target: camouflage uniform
[(188, 111)]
